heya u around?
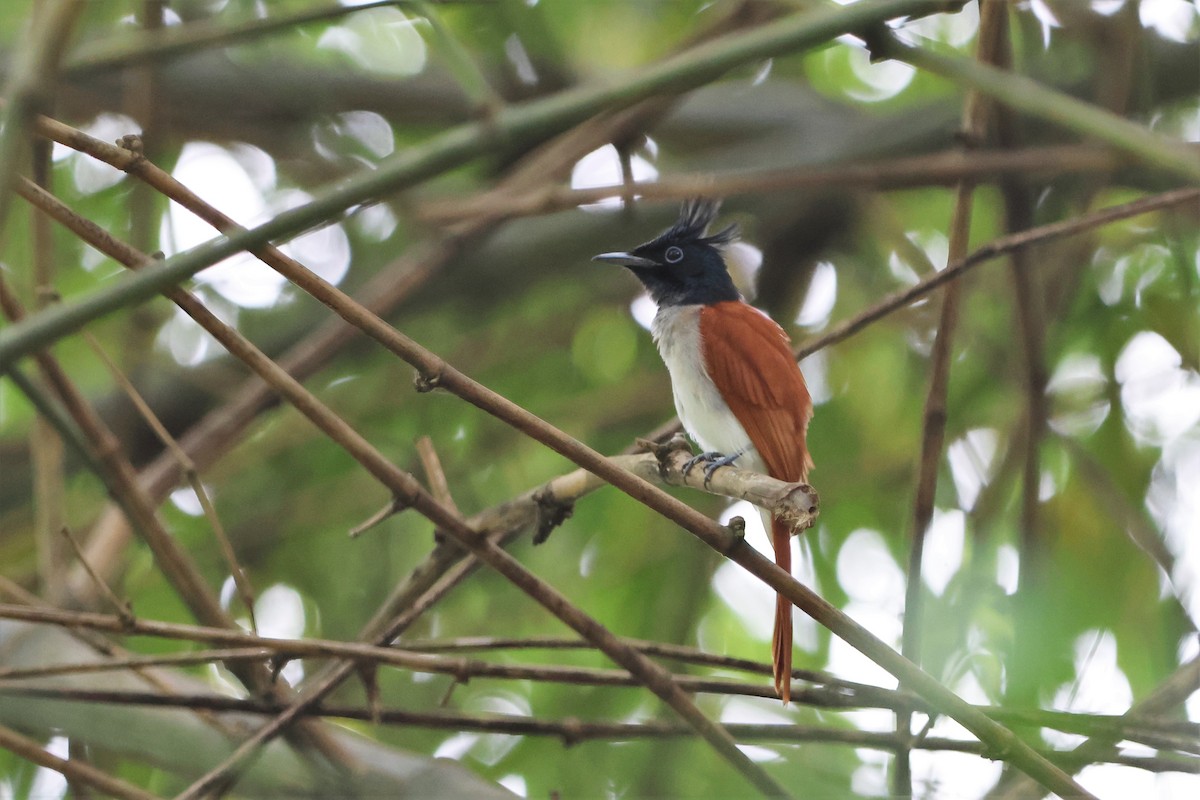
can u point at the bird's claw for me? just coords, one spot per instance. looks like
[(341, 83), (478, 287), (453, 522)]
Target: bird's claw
[(715, 461), (696, 459)]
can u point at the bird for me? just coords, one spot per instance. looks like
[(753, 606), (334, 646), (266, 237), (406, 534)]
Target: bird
[(738, 390)]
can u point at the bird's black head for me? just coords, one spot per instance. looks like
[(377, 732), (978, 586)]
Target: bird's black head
[(682, 266)]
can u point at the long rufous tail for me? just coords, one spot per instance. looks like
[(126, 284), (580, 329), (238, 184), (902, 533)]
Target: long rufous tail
[(781, 639)]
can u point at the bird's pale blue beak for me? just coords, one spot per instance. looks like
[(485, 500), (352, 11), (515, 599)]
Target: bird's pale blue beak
[(625, 260)]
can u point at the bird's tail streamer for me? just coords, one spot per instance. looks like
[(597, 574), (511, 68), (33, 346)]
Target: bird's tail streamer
[(781, 639)]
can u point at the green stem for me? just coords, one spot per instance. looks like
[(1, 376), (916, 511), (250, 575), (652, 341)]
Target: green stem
[(58, 419), (527, 122), (33, 68), (145, 46), (468, 74), (1061, 109)]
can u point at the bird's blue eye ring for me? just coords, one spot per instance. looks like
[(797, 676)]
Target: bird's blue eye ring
[(673, 255)]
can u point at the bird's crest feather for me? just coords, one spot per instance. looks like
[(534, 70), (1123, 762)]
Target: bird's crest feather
[(695, 216)]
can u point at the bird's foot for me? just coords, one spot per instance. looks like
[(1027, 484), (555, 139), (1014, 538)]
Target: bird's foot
[(715, 461), (712, 455)]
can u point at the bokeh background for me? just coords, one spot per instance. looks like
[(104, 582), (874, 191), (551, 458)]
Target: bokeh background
[(1062, 557)]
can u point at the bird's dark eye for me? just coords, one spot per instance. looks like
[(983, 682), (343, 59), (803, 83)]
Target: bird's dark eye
[(673, 255)]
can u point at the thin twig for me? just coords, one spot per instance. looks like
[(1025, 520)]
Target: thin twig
[(574, 731), (992, 35), (434, 474), (135, 662), (45, 446), (405, 487), (85, 431), (936, 169), (827, 691), (72, 769), (240, 579), (123, 607), (997, 247), (467, 73)]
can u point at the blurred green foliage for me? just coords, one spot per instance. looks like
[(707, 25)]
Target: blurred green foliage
[(524, 312)]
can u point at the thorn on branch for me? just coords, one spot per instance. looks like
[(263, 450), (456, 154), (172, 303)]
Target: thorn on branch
[(435, 476), (48, 295), (397, 505), (663, 451), (737, 535), (551, 512), (123, 607), (277, 663), (923, 734), (426, 382), (459, 680), (134, 144), (487, 112), (1001, 749), (572, 731), (878, 40)]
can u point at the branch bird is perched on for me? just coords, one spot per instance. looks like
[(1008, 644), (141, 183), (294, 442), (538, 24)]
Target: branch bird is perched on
[(738, 390)]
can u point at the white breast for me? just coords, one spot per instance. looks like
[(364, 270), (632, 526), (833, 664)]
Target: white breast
[(703, 413)]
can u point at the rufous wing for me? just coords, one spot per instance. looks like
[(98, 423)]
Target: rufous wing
[(749, 358)]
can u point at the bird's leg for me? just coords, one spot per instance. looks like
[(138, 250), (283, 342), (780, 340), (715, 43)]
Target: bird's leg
[(715, 461), (711, 455)]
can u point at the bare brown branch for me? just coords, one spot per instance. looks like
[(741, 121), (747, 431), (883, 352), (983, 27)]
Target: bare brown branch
[(409, 490), (993, 30), (937, 169), (574, 731), (74, 770), (240, 579)]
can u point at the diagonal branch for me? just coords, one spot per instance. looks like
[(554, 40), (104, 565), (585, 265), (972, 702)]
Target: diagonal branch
[(410, 492), (1165, 700), (102, 451), (1031, 97), (435, 372), (74, 770)]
